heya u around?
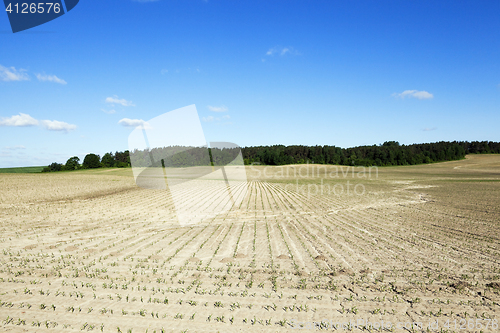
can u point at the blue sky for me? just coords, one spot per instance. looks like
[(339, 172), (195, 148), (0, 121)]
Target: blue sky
[(342, 73)]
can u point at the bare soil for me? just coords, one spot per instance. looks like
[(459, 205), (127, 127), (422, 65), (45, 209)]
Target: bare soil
[(91, 251)]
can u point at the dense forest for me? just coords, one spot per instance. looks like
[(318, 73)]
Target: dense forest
[(180, 156), (387, 154)]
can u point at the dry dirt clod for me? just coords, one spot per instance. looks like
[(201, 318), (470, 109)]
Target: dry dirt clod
[(460, 285), (321, 257), (494, 285)]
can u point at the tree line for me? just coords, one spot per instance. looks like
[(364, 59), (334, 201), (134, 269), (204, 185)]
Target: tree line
[(92, 161), (181, 157), (386, 154)]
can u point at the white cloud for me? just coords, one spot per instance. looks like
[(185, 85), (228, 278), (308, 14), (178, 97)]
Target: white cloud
[(20, 120), (12, 74), (428, 129), (210, 119), (134, 123), (108, 111), (271, 51), (55, 125), (281, 51), (24, 120), (50, 78), (222, 108), (285, 51), (19, 147), (414, 94), (116, 100)]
